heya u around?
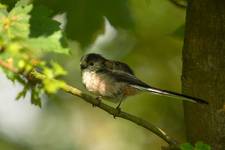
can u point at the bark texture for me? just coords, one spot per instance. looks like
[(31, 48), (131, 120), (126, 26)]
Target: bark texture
[(204, 71)]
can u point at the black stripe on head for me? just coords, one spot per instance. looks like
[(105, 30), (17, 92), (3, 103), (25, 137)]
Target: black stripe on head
[(92, 57)]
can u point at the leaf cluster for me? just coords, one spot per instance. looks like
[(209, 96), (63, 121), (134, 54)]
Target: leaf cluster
[(23, 41)]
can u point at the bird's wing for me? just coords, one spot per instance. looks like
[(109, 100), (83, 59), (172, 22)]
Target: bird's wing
[(121, 76), (118, 66), (138, 84)]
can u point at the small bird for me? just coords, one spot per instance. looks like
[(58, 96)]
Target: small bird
[(115, 80)]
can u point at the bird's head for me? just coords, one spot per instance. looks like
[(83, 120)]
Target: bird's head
[(92, 62)]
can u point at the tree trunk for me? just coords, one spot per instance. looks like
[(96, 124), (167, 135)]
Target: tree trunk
[(204, 72)]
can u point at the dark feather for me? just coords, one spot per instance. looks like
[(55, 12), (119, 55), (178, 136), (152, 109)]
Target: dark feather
[(138, 84), (120, 66), (92, 57), (121, 76)]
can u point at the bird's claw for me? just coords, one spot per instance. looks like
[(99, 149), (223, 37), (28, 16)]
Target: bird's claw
[(117, 112), (98, 103)]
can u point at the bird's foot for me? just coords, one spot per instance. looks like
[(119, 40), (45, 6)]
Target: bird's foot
[(98, 102), (117, 112)]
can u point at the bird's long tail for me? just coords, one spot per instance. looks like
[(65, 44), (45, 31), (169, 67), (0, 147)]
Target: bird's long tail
[(171, 94)]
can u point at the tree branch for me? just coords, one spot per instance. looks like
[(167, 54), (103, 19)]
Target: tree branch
[(92, 100)]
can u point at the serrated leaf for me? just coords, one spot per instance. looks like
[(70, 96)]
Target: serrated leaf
[(186, 146), (19, 22), (202, 146), (53, 43), (15, 24)]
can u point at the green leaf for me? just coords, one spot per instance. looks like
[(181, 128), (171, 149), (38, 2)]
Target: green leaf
[(15, 24), (13, 48), (202, 146), (20, 80), (3, 7), (10, 75), (58, 70), (3, 16), (18, 22), (42, 23), (35, 96), (46, 34), (198, 146), (48, 72), (22, 3), (53, 43), (52, 86), (186, 146), (23, 93), (54, 71), (84, 17)]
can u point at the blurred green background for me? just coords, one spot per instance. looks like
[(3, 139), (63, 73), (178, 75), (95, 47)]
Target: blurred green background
[(146, 34)]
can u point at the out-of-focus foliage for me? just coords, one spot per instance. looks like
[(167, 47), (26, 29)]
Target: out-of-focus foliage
[(197, 146), (22, 46), (85, 17)]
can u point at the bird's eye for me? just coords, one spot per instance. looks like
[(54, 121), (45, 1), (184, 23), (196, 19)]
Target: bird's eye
[(91, 64)]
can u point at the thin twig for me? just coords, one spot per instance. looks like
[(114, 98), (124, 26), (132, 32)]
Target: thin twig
[(92, 100), (179, 4)]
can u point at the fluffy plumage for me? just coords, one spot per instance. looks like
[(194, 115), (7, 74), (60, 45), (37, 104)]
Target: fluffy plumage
[(115, 80)]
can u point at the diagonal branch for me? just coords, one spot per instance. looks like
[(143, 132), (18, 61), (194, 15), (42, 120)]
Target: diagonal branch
[(92, 100)]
